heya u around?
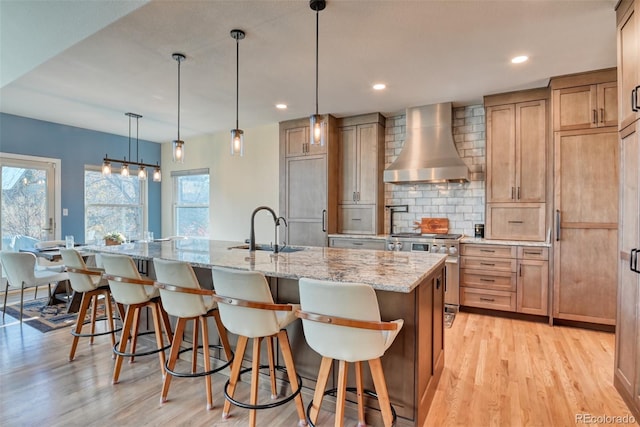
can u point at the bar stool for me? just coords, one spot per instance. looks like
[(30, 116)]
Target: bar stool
[(129, 288), (90, 284), (247, 310), (341, 321), (182, 298)]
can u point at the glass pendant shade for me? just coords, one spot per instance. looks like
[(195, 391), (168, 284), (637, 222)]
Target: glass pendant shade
[(106, 168), (125, 170), (318, 131), (178, 151), (157, 175), (142, 173), (237, 142)]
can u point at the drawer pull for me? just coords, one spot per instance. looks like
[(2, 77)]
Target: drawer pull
[(357, 243), (487, 299), (356, 219), (532, 253), (487, 263), (515, 222), (487, 250), (487, 280)]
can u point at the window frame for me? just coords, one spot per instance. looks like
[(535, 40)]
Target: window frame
[(175, 175)]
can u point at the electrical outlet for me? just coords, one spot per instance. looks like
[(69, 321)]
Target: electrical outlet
[(65, 212)]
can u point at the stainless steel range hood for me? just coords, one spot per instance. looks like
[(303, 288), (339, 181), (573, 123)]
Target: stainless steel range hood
[(429, 153)]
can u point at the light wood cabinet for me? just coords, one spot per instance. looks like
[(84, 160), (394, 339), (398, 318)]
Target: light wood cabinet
[(307, 183), (585, 107), (628, 30), (361, 148), (507, 278), (360, 243), (517, 149)]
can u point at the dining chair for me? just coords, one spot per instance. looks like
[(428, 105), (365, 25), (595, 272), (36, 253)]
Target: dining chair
[(21, 272), (341, 321), (89, 282), (247, 310), (183, 299), (43, 263), (129, 288)]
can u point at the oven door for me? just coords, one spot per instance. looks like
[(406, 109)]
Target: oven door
[(452, 282)]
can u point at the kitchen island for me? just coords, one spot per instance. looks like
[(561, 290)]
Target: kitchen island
[(408, 285)]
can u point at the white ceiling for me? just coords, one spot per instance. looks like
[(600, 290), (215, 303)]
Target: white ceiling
[(86, 63)]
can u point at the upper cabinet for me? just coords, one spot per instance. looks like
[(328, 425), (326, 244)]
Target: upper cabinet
[(628, 26), (585, 101), (296, 141), (517, 153), (361, 160)]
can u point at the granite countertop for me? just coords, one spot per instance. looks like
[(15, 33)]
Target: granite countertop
[(383, 270), (504, 242)]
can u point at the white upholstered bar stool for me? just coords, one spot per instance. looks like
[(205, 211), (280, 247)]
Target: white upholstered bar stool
[(341, 321), (89, 282), (130, 289), (21, 272), (183, 298), (247, 310)]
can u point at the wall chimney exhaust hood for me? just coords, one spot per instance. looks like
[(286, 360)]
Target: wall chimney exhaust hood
[(429, 153)]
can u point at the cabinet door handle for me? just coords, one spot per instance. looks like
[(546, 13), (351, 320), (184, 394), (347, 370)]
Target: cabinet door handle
[(513, 193), (633, 260), (324, 217), (595, 116), (518, 193), (353, 196), (602, 115), (357, 196), (520, 270), (438, 283), (487, 299), (557, 225), (634, 99)]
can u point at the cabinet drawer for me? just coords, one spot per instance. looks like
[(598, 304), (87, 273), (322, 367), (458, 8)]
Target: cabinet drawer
[(336, 242), (492, 251), (524, 221), (529, 252), (491, 264), (498, 281), (358, 219), (495, 300)]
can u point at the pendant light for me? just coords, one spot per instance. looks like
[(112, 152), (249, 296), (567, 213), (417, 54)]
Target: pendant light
[(178, 144), (318, 130), (237, 134), (125, 170)]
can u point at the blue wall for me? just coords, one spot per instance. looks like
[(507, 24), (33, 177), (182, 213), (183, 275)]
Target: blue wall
[(76, 147)]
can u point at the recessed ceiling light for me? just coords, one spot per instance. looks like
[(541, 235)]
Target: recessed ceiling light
[(281, 106), (379, 86), (519, 59)]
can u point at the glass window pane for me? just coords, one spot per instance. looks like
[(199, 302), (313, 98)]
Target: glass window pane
[(192, 222), (193, 189), (113, 189)]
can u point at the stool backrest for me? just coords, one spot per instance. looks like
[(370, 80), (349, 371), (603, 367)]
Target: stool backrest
[(46, 244), (126, 293), (249, 286), (19, 267), (347, 300), (79, 282), (178, 273)]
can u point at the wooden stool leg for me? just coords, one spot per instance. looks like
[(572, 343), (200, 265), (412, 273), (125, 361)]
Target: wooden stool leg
[(255, 375), (155, 309), (166, 322), (173, 357), (108, 307), (321, 384), (194, 353), (287, 355), (84, 305), (124, 337), (342, 391), (207, 360), (272, 369), (94, 312), (381, 390), (241, 347), (134, 336), (222, 333)]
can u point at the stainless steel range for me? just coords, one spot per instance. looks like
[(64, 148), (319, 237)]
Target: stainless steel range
[(436, 243)]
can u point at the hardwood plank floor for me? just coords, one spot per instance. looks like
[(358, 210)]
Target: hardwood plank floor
[(498, 372)]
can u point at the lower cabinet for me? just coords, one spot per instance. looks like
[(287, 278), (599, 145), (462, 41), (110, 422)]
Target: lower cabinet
[(505, 277)]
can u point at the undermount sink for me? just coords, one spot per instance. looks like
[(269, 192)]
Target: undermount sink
[(269, 248)]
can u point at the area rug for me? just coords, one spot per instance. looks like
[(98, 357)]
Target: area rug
[(43, 317)]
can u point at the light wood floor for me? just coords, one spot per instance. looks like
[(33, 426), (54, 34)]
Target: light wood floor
[(498, 372)]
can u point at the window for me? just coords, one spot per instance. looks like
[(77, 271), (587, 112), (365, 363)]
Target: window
[(191, 203), (113, 203)]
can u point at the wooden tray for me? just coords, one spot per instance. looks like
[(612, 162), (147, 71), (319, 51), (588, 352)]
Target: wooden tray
[(433, 225)]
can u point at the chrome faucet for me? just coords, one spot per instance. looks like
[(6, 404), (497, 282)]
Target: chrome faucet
[(276, 221)]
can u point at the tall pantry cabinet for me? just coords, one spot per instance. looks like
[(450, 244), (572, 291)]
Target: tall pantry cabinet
[(627, 357), (585, 201), (308, 180)]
